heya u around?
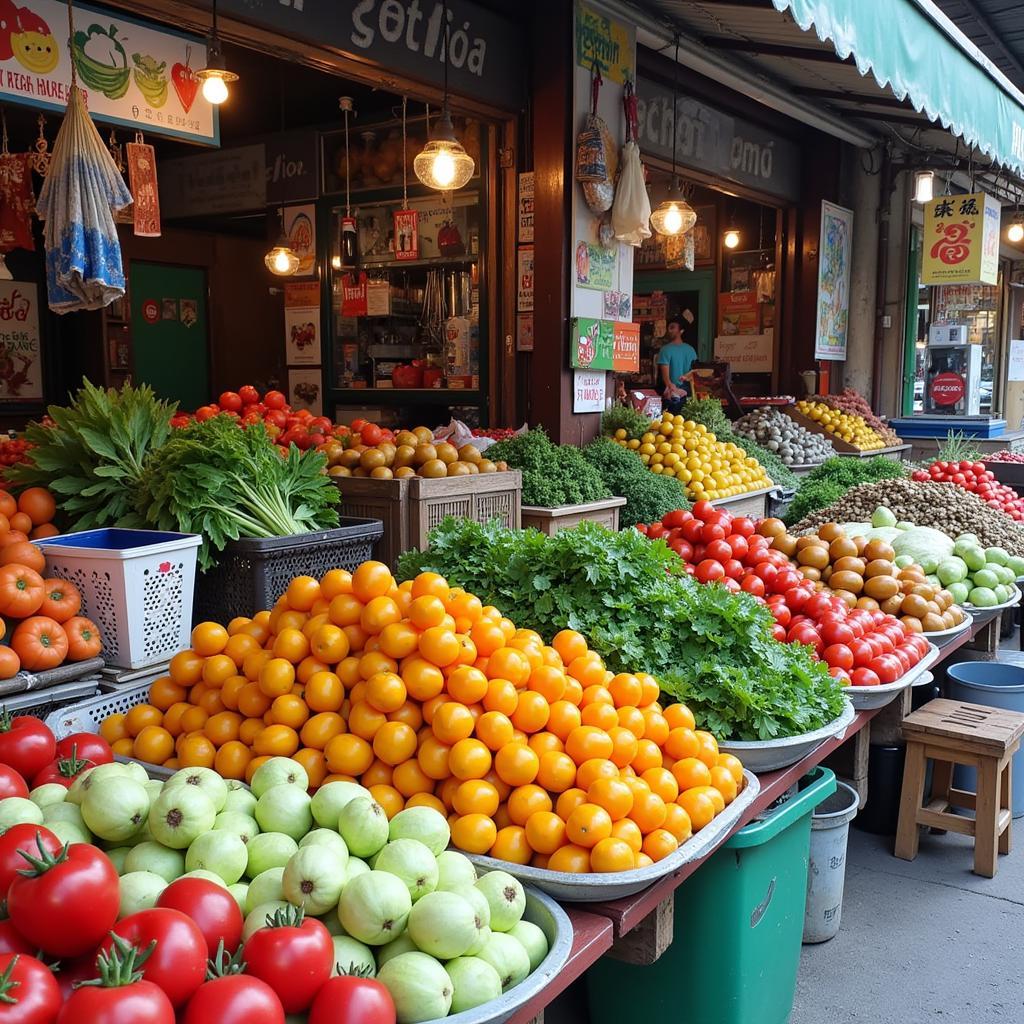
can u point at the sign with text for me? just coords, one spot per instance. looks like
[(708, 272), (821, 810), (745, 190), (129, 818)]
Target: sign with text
[(291, 166), (711, 140), (526, 206), (588, 390), (603, 345), (603, 41), (229, 181), (21, 368), (133, 74), (524, 273), (961, 239), (747, 353)]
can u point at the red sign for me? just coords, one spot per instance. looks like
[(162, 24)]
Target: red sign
[(150, 311), (948, 389), (407, 238), (353, 295), (626, 348)]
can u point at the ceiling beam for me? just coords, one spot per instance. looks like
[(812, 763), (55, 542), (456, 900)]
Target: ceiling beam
[(853, 97), (828, 56), (914, 122), (981, 19)]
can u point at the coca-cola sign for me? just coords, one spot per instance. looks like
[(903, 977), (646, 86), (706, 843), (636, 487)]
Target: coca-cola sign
[(948, 388)]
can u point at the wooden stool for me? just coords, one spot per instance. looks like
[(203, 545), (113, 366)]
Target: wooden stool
[(952, 732)]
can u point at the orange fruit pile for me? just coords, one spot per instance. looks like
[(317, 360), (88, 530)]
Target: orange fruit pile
[(537, 753)]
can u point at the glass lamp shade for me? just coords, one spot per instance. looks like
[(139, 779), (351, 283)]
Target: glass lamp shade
[(281, 260), (215, 77), (674, 216), (731, 239), (1015, 232), (443, 163), (924, 186)]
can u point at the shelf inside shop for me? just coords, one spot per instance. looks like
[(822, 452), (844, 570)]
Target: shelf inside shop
[(409, 350), (433, 396), (391, 263)]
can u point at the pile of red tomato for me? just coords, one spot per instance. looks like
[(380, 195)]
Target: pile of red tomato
[(974, 477), (861, 647), (1005, 456)]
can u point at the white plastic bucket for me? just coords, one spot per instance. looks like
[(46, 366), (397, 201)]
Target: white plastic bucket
[(830, 829)]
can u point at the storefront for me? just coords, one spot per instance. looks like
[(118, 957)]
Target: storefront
[(401, 326)]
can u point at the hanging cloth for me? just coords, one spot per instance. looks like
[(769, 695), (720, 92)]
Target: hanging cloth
[(77, 201), (17, 201), (631, 213), (142, 175)]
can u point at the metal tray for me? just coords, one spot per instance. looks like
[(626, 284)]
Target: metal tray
[(1013, 601), (942, 634), (593, 887), (866, 698), (770, 755)]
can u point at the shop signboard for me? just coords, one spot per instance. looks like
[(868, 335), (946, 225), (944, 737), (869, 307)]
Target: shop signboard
[(228, 181), (710, 140), (961, 240), (738, 313), (406, 37), (604, 345), (947, 388), (835, 253), (747, 353), (134, 74), (604, 42), (291, 167), (21, 369), (588, 390)]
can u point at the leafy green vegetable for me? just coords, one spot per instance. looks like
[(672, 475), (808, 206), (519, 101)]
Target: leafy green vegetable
[(637, 608), (224, 482), (553, 474), (92, 457), (648, 495), (624, 417), (827, 483)]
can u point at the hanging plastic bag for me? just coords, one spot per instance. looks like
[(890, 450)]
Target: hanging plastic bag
[(596, 161), (631, 213)]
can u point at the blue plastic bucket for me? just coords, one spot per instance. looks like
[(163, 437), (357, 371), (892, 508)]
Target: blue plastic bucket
[(996, 685)]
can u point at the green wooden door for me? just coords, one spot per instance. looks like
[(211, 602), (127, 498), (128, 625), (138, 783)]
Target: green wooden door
[(170, 335), (671, 282)]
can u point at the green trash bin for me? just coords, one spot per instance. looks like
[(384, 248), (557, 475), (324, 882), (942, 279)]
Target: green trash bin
[(739, 923)]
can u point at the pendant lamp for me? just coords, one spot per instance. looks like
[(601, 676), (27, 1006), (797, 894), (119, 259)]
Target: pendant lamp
[(674, 216), (215, 77), (282, 259), (443, 163)]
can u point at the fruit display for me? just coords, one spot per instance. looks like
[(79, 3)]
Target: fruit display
[(13, 450), (40, 620), (793, 443), (975, 477), (731, 551), (366, 450), (239, 904), (848, 427), (537, 752), (827, 483), (1005, 455), (944, 507), (853, 402), (707, 468), (495, 433)]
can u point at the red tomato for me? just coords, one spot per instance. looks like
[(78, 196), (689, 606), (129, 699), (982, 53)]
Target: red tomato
[(67, 905), (231, 401), (731, 585), (817, 606), (864, 677), (903, 658), (692, 529), (682, 549), (211, 906), (887, 667), (234, 999), (248, 394), (766, 572), (744, 527), (733, 569), (704, 510), (274, 400), (719, 550), (841, 674), (82, 968), (675, 518), (739, 545), (709, 570), (838, 656), (372, 435), (805, 633), (87, 746), (11, 783), (779, 633), (835, 631), (31, 994), (26, 744), (786, 580), (347, 1000), (124, 1004), (276, 418), (781, 614), (753, 585), (11, 941), (23, 837), (797, 598), (294, 956), (712, 531), (656, 531), (62, 771), (207, 412)]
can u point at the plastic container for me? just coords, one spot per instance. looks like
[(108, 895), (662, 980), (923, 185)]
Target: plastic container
[(826, 875), (747, 905), (881, 814), (996, 685), (137, 586), (252, 573), (86, 715)]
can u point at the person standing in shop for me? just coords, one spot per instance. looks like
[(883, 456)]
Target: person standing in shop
[(675, 361)]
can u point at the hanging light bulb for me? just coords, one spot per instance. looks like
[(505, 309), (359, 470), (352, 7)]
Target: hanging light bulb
[(1015, 232), (215, 77), (924, 186), (731, 238), (443, 163), (674, 216), (281, 260)]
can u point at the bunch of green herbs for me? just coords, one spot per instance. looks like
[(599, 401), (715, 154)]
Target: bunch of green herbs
[(624, 417), (827, 483), (637, 608), (223, 482), (92, 456), (553, 474)]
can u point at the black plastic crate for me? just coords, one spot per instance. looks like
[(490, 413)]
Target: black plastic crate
[(251, 574)]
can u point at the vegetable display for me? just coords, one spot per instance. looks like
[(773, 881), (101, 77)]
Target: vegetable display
[(225, 483), (633, 423), (396, 715), (974, 477), (553, 474), (849, 427), (827, 483), (792, 443), (637, 607), (853, 402)]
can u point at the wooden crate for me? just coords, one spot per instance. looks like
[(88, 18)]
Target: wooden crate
[(753, 504), (386, 500), (897, 452), (564, 517)]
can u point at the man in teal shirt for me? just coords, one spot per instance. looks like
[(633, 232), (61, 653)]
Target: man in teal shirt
[(675, 360)]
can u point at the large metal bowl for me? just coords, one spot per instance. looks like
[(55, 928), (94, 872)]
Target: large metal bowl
[(592, 887), (866, 698), (770, 755), (1014, 600), (943, 634)]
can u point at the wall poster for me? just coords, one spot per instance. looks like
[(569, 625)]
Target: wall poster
[(21, 367), (835, 250)]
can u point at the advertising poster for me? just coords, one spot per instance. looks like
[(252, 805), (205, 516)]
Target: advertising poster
[(21, 369), (524, 274), (961, 240), (835, 252), (134, 74), (302, 323), (305, 390), (300, 230), (524, 332), (588, 390), (595, 266), (526, 206), (603, 345)]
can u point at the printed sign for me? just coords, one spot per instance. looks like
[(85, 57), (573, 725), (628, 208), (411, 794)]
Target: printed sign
[(948, 388), (961, 239), (229, 181), (524, 332), (524, 261), (134, 74), (588, 390), (603, 345), (300, 230), (835, 254), (603, 41), (526, 206), (1015, 367), (302, 323), (353, 294), (21, 369), (305, 389), (595, 266), (407, 237), (747, 353)]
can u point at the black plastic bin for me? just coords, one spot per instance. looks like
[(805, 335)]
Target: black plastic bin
[(779, 499), (251, 574)]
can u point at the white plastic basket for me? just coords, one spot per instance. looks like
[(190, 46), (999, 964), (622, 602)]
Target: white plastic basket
[(137, 586), (86, 715)]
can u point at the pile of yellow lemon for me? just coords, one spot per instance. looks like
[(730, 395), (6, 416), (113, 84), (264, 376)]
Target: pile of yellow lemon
[(851, 428), (707, 468)]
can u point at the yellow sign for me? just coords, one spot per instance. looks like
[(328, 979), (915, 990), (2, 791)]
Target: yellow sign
[(601, 40), (961, 240)]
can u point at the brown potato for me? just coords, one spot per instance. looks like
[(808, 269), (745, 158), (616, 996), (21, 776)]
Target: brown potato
[(850, 600), (830, 532), (867, 603), (433, 468), (372, 459), (786, 544), (382, 473), (425, 453), (811, 542), (771, 527), (810, 573), (912, 623), (892, 606), (404, 472), (914, 604), (447, 453), (933, 623)]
